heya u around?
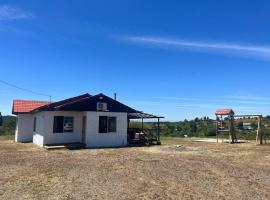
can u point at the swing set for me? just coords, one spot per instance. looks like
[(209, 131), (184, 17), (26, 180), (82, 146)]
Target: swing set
[(225, 123)]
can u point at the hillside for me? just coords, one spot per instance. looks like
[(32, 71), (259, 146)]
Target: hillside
[(8, 127)]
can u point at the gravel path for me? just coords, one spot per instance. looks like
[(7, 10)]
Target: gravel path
[(180, 170)]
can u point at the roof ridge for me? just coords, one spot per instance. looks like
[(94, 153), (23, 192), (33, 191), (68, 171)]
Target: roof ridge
[(80, 100), (65, 101), (75, 101)]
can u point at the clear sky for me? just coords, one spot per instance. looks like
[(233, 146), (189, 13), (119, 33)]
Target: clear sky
[(179, 59)]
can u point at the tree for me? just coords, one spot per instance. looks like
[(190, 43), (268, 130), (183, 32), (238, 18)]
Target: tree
[(9, 124), (240, 125), (196, 119), (193, 127), (1, 119), (254, 125)]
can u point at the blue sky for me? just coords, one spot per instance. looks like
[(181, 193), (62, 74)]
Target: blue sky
[(179, 59)]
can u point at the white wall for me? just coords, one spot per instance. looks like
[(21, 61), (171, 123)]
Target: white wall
[(38, 139), (24, 128), (96, 139), (39, 134), (44, 129), (57, 138)]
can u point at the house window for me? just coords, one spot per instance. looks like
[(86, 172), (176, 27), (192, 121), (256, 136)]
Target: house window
[(35, 124), (107, 124), (111, 124), (68, 124), (103, 124), (63, 124), (58, 124)]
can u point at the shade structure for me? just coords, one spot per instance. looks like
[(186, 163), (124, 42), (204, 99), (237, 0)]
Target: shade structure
[(142, 115)]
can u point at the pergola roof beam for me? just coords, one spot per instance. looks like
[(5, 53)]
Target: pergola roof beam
[(141, 115)]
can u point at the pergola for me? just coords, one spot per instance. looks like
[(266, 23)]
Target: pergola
[(142, 116), (229, 113)]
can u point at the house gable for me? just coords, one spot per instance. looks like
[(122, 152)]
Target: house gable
[(89, 103), (55, 105)]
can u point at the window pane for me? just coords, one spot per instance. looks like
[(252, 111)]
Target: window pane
[(103, 124), (58, 124), (35, 124), (68, 124), (112, 124)]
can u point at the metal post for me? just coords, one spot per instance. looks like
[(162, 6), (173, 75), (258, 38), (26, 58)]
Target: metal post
[(231, 131), (128, 120), (142, 124), (233, 135), (217, 128), (260, 131), (158, 133)]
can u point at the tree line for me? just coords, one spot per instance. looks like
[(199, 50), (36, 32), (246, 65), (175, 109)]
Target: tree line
[(8, 125), (206, 127), (198, 127)]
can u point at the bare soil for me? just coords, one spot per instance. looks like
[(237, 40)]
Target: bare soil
[(179, 169)]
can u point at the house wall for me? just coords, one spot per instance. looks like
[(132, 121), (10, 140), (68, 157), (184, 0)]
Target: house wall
[(44, 129), (24, 128), (39, 134), (57, 138), (96, 139)]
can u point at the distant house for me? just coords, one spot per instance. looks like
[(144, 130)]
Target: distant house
[(248, 126), (95, 121)]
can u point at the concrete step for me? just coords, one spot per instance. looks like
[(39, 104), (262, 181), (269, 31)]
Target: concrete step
[(70, 146)]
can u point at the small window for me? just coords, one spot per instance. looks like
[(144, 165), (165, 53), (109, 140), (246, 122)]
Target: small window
[(111, 124), (107, 124), (63, 124), (68, 124), (103, 124), (35, 124)]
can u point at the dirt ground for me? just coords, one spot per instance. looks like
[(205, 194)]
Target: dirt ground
[(179, 169)]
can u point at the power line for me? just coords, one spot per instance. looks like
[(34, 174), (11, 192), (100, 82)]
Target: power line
[(24, 89)]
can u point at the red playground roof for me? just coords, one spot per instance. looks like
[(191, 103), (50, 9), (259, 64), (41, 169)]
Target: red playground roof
[(224, 112), (26, 106)]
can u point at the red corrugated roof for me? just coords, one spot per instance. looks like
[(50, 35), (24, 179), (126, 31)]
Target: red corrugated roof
[(224, 112), (26, 106)]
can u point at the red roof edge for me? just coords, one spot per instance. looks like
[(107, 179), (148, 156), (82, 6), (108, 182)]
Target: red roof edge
[(227, 111), (26, 106)]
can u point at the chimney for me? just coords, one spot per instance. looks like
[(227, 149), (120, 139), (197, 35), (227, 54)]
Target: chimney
[(115, 96)]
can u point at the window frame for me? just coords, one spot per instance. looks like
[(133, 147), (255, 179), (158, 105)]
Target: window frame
[(115, 128), (62, 121), (71, 118), (102, 129), (107, 128), (35, 124)]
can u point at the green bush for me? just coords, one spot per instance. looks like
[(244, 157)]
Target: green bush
[(8, 127)]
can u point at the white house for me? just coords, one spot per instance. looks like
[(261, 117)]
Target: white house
[(95, 121)]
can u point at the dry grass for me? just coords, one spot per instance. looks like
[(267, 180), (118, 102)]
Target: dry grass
[(196, 170)]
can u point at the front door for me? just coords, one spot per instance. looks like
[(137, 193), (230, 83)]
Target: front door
[(83, 129)]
